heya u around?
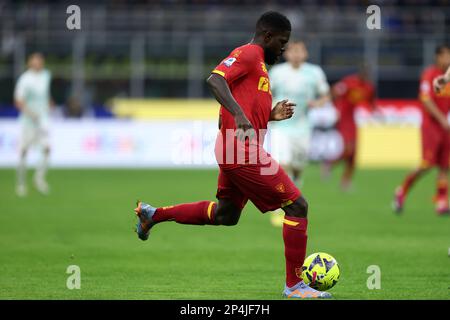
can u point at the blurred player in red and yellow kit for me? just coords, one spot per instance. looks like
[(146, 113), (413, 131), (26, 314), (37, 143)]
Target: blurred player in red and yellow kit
[(434, 132), (352, 91), (240, 83)]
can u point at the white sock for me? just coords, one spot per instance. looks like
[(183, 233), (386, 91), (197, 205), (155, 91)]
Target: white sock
[(42, 166), (21, 171)]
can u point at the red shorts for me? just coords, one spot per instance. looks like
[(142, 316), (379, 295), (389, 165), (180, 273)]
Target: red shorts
[(435, 147), (348, 131), (268, 192)]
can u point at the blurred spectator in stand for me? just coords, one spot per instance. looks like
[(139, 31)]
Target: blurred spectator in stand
[(73, 108)]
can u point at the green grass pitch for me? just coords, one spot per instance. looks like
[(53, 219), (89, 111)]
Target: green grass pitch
[(88, 221)]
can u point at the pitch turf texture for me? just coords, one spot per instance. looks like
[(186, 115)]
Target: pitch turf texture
[(88, 220)]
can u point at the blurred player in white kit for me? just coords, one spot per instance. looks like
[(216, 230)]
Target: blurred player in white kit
[(32, 99), (306, 85)]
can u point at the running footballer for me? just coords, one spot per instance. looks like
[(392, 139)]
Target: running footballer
[(240, 83)]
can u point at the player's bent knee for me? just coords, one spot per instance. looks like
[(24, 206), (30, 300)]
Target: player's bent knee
[(230, 221), (297, 209), (227, 217), (227, 213)]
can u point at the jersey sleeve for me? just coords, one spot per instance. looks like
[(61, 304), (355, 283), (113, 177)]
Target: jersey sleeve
[(323, 87), (340, 88), (426, 85), (20, 89), (235, 66)]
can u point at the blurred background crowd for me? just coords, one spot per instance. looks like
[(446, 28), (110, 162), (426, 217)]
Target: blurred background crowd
[(167, 48)]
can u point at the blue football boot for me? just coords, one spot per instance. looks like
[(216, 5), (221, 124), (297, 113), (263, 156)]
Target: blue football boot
[(303, 291), (145, 213)]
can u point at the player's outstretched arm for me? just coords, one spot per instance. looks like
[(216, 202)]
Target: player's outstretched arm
[(221, 91), (283, 110), (441, 81)]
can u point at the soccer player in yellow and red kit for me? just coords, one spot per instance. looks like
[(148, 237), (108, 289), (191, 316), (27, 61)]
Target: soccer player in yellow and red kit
[(240, 83), (348, 93), (435, 131)]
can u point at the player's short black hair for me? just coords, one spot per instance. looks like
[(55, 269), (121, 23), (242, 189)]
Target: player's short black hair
[(273, 21), (441, 48)]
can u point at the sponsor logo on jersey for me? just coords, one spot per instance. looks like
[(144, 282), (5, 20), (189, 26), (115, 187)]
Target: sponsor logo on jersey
[(356, 95), (264, 84), (263, 67), (237, 53)]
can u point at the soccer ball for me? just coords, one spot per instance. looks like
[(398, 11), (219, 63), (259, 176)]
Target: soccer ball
[(321, 271)]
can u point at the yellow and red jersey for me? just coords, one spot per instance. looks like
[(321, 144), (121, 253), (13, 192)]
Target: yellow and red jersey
[(246, 74), (350, 92), (441, 99)]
